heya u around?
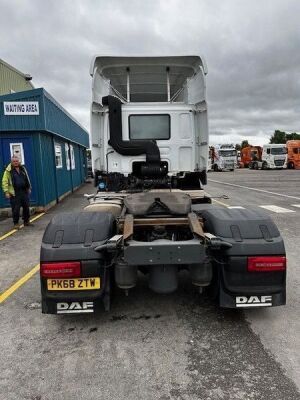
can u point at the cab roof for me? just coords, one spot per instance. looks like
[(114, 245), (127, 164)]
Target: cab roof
[(147, 75)]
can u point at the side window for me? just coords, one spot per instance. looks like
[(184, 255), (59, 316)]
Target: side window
[(17, 150), (58, 156), (72, 157), (268, 151), (67, 152)]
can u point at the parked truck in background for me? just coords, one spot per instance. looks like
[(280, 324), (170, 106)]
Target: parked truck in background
[(273, 156), (249, 154), (293, 154), (151, 216), (223, 157)]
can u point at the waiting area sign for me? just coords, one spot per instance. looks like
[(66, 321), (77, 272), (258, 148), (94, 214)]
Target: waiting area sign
[(21, 107)]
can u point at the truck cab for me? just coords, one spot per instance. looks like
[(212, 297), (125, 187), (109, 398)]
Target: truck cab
[(223, 157), (274, 156), (250, 154), (153, 130), (293, 152)]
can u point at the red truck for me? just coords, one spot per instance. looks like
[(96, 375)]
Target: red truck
[(250, 153)]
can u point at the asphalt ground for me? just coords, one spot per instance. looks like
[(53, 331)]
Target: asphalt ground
[(149, 346)]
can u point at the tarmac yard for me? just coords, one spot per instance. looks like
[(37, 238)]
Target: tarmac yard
[(149, 346)]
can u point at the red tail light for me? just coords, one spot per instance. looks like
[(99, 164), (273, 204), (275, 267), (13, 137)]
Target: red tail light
[(70, 269), (266, 263)]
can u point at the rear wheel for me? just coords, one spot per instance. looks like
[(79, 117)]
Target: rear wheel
[(264, 165), (255, 165), (216, 168), (291, 165)]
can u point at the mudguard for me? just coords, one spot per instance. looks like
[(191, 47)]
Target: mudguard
[(73, 237), (251, 232)]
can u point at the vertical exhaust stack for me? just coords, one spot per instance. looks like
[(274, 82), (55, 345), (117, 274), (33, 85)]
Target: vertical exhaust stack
[(131, 147)]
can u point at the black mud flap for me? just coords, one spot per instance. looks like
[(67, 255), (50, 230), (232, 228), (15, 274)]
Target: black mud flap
[(67, 306), (246, 300)]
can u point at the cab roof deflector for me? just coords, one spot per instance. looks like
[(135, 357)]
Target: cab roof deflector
[(147, 78)]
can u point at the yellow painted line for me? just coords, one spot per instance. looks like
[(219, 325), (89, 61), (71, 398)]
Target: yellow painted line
[(220, 202), (19, 283), (217, 201), (6, 235)]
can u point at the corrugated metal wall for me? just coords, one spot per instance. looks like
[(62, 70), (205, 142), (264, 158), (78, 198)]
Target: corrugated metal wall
[(59, 122), (46, 173), (11, 80)]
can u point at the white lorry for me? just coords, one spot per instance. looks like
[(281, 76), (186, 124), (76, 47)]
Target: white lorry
[(150, 215), (273, 156), (163, 102), (222, 157)]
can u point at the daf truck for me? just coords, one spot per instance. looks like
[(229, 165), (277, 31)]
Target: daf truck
[(150, 215), (273, 156), (223, 157)]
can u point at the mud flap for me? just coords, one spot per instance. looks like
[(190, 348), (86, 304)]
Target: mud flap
[(245, 300), (82, 306)]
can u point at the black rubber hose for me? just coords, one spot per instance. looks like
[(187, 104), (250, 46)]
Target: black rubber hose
[(127, 147)]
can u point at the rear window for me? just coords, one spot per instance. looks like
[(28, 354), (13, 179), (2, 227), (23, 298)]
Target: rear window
[(150, 126)]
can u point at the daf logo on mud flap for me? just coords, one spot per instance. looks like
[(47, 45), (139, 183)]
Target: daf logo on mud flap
[(75, 307), (253, 301)]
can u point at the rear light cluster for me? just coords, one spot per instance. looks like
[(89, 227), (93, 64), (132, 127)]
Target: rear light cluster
[(266, 263), (70, 269)]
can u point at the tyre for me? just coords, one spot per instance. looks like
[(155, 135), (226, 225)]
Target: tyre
[(264, 165), (291, 165), (255, 165), (216, 168)]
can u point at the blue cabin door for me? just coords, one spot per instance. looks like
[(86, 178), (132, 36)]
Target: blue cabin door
[(22, 148)]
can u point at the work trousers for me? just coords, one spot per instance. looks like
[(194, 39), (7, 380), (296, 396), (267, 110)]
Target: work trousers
[(21, 199)]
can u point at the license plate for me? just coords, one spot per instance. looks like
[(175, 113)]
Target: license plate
[(73, 284)]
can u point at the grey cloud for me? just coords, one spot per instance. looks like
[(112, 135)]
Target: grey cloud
[(252, 51)]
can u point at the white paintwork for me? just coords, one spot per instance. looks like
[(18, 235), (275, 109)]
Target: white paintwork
[(222, 160), (146, 81), (271, 159), (277, 209)]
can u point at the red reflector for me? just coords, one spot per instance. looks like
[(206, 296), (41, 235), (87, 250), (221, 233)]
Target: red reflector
[(69, 269), (266, 263)]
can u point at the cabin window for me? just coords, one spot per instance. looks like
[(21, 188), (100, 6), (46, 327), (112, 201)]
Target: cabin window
[(149, 127), (296, 150)]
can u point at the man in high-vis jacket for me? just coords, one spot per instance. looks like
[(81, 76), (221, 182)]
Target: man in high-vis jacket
[(17, 188)]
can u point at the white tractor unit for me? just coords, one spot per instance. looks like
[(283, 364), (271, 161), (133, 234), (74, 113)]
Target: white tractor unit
[(150, 215), (222, 157)]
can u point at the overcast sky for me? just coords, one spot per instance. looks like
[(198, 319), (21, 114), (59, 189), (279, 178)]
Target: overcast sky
[(252, 51)]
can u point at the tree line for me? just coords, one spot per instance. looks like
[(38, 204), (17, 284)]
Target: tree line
[(278, 137)]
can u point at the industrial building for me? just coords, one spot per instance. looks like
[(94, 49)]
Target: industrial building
[(13, 80), (49, 142)]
